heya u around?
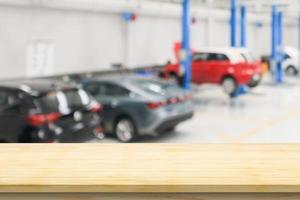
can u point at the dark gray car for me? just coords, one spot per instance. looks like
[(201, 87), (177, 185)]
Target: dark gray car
[(135, 105)]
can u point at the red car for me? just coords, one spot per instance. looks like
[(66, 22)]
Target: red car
[(231, 68)]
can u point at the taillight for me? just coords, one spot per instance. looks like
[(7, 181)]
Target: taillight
[(42, 119), (96, 108), (154, 105), (174, 100)]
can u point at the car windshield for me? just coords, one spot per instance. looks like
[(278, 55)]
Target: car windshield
[(64, 101), (154, 86)]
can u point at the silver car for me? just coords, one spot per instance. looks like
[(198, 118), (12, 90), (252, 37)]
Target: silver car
[(135, 106)]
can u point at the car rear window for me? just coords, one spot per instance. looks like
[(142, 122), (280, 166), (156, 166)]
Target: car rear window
[(248, 57), (64, 101), (154, 86)]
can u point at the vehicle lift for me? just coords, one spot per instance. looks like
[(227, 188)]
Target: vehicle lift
[(185, 53), (277, 56), (243, 89)]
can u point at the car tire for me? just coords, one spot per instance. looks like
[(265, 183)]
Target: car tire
[(125, 130), (229, 85), (170, 129), (291, 71), (254, 83)]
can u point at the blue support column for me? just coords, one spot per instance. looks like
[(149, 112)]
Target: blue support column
[(233, 23), (299, 29), (277, 45), (279, 70), (243, 26), (185, 60), (274, 40), (299, 32)]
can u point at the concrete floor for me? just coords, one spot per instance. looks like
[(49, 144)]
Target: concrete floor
[(268, 114)]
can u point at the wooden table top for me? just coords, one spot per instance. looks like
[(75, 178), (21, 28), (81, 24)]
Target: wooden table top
[(149, 168)]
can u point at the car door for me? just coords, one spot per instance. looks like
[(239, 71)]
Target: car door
[(199, 65), (112, 97), (216, 67), (11, 119)]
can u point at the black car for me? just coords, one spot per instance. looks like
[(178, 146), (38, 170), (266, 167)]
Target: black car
[(47, 111)]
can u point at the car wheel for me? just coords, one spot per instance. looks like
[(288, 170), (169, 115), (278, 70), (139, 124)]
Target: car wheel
[(170, 129), (254, 83), (125, 130), (291, 71), (229, 85)]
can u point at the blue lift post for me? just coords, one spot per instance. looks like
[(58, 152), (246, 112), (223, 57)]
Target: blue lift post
[(243, 89), (279, 69), (243, 26), (274, 41), (299, 26), (299, 31), (233, 23), (277, 45), (185, 57)]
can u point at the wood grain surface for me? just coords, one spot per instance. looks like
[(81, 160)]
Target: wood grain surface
[(149, 168), (152, 196)]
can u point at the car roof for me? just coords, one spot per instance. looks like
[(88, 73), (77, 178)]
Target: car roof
[(121, 78), (36, 86), (291, 51), (223, 49), (234, 54)]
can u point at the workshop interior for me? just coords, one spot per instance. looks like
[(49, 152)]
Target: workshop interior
[(150, 71)]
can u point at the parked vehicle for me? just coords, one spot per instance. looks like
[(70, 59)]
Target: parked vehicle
[(229, 67), (135, 106), (291, 64), (47, 111)]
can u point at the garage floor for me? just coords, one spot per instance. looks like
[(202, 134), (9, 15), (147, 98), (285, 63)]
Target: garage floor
[(268, 114)]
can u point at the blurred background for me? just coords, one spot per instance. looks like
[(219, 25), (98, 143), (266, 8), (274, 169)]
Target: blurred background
[(219, 71)]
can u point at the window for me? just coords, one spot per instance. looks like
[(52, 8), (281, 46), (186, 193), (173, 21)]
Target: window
[(3, 99), (76, 98), (200, 57), (93, 89), (154, 86), (248, 57), (64, 101), (217, 57), (108, 89), (49, 103), (7, 99), (245, 57), (286, 56)]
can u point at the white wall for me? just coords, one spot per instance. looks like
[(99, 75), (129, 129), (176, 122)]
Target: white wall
[(94, 37)]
